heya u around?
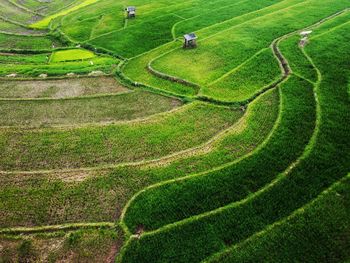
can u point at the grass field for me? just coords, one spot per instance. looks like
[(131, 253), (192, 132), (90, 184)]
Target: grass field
[(45, 22), (71, 55), (69, 190), (111, 144), (119, 145), (14, 42), (57, 65), (100, 109)]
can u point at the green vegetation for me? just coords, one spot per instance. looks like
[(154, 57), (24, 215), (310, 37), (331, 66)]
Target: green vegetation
[(14, 13), (41, 113), (117, 144), (158, 33), (174, 201), (207, 63), (112, 144), (9, 58), (61, 197), (244, 82), (90, 245), (83, 67), (136, 69), (13, 42), (11, 28), (326, 217), (44, 7), (45, 22), (71, 55), (211, 232), (160, 19)]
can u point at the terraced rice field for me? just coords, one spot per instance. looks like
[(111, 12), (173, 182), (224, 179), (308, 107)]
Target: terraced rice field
[(119, 145)]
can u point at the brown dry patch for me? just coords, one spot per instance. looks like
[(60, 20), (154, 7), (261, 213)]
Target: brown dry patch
[(77, 176), (112, 254), (100, 248), (61, 88), (38, 251), (114, 250), (21, 179)]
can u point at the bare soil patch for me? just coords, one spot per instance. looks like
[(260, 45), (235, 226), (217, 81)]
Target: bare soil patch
[(63, 88)]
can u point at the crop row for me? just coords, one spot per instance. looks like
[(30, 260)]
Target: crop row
[(325, 161), (174, 201), (193, 125), (208, 63), (91, 196)]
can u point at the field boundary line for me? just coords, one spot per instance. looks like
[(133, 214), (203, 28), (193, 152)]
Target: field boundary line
[(218, 168), (98, 22), (148, 163), (96, 96), (254, 19), (181, 4), (54, 228), (155, 49), (181, 17), (60, 77), (170, 77), (14, 22), (173, 29), (121, 29), (238, 67), (64, 7), (67, 127), (256, 194), (24, 8), (22, 34), (47, 20), (208, 99), (308, 148), (330, 30), (216, 10), (174, 40), (306, 79), (296, 212), (147, 119)]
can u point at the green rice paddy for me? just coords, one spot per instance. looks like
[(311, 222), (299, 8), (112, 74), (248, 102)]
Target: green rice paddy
[(71, 55), (117, 144)]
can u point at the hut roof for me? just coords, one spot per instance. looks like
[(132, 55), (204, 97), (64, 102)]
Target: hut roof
[(131, 8), (191, 36), (305, 33)]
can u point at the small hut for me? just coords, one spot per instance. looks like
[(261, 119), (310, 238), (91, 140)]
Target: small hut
[(305, 33), (190, 40), (303, 42), (131, 11), (304, 38)]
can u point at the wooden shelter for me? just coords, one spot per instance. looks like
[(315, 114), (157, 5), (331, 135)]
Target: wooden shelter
[(305, 33), (190, 40), (131, 11), (303, 42), (305, 38)]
